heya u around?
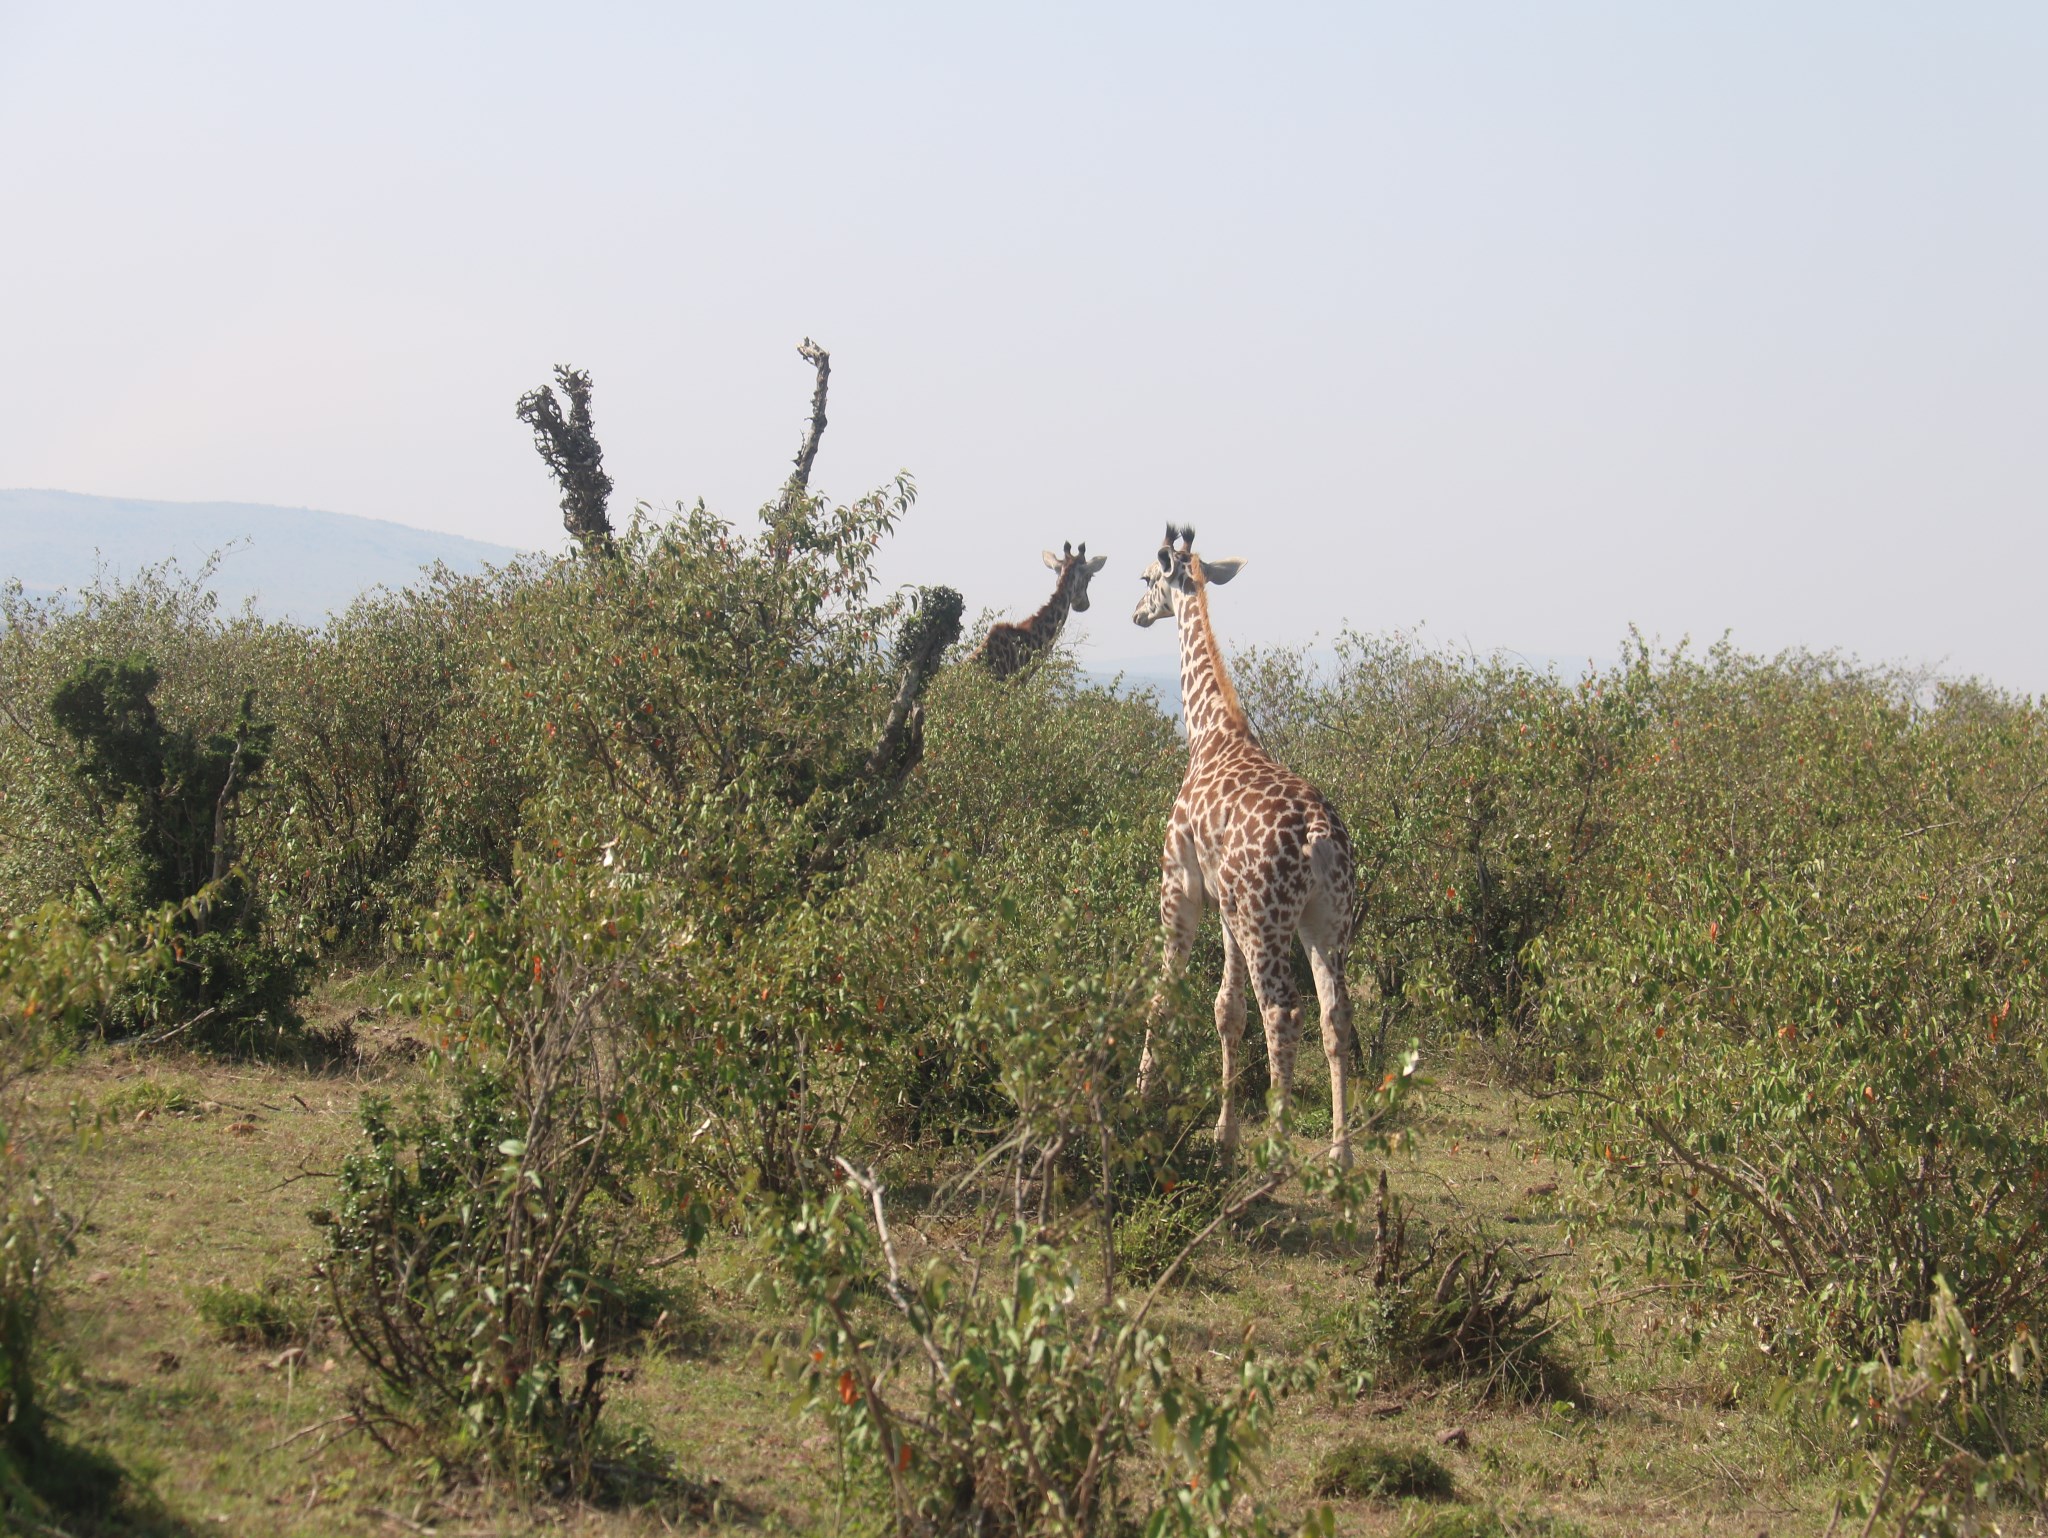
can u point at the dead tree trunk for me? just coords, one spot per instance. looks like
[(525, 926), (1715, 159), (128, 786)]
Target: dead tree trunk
[(568, 445), (807, 451), (791, 518), (932, 625)]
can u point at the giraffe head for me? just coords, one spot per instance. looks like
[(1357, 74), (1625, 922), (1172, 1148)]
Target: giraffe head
[(1075, 569), (1176, 575)]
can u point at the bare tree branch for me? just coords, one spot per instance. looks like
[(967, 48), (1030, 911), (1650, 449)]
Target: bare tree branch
[(807, 452), (788, 519)]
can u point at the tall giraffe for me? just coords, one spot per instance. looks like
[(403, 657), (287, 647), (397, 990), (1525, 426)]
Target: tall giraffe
[(1261, 844), (1008, 647)]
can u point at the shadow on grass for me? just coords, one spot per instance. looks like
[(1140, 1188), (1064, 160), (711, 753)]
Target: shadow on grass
[(65, 1491), (1282, 1228)]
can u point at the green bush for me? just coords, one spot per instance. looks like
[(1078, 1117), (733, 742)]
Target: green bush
[(182, 794), (1019, 1397), (465, 1276), (62, 846), (1153, 1230), (241, 1317), (465, 1264), (1375, 1471), (1467, 1309), (1478, 794), (1040, 792), (391, 775), (1811, 1013)]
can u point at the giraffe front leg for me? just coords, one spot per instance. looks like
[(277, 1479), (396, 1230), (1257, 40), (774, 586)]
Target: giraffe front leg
[(1230, 1033), (1180, 916)]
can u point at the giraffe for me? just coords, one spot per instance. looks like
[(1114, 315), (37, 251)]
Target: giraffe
[(1007, 648), (1261, 844)]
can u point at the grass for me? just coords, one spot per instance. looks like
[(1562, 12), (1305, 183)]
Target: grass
[(1476, 1522), (1666, 1437)]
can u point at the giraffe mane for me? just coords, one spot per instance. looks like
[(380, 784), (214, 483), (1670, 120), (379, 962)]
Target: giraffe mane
[(1232, 710)]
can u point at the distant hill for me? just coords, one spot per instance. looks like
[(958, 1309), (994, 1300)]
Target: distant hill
[(294, 562)]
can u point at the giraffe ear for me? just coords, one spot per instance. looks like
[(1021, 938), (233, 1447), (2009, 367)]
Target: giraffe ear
[(1097, 564), (1050, 559), (1222, 571)]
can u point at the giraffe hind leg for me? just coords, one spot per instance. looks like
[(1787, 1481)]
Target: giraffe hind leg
[(1326, 936), (1334, 996), (1272, 972), (1230, 1014)]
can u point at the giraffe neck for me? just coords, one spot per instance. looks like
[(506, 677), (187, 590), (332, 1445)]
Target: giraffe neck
[(1208, 699), (1046, 623)]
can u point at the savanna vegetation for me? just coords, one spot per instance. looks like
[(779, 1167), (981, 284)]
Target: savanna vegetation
[(638, 1039)]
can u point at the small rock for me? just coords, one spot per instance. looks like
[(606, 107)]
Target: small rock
[(328, 1365), (1454, 1436)]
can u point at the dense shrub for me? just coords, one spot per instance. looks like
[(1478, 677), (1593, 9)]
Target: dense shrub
[(1810, 1003), (467, 1262), (392, 777), (1478, 794), (182, 793)]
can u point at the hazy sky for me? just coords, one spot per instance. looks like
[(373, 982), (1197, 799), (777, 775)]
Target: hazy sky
[(1521, 321)]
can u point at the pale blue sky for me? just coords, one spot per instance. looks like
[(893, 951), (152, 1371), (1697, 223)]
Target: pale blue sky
[(1523, 321)]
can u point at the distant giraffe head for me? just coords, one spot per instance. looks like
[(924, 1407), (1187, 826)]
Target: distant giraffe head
[(1177, 575), (1074, 569)]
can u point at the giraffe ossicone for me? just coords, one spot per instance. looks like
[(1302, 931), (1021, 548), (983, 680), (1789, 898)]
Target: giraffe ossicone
[(1007, 648), (1259, 843)]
